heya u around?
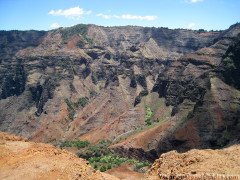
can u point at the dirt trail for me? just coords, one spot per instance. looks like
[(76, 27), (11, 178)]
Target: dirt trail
[(125, 172)]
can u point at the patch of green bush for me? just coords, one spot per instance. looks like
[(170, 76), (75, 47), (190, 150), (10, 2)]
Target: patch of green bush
[(94, 78), (69, 104), (71, 114), (231, 64), (103, 168), (148, 115), (99, 156), (14, 83), (71, 110), (80, 29), (79, 144), (82, 101), (72, 106), (109, 166), (93, 93)]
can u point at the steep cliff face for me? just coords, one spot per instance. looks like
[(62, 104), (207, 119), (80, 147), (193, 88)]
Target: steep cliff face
[(213, 119), (142, 88)]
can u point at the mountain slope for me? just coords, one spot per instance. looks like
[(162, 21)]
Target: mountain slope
[(21, 159), (205, 164), (96, 83)]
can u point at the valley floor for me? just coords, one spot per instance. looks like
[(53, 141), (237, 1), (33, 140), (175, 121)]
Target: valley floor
[(21, 159)]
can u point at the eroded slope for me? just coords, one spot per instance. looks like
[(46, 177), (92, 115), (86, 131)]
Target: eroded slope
[(21, 159), (96, 83), (206, 164)]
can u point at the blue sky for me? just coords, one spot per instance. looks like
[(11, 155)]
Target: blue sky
[(50, 14)]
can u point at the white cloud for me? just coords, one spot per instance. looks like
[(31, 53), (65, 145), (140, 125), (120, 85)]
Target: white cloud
[(74, 13), (55, 25), (128, 16), (193, 1), (191, 25), (104, 16)]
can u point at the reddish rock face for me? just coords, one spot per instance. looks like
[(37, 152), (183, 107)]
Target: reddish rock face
[(149, 90)]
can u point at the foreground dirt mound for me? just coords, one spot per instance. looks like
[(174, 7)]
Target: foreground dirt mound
[(224, 163), (20, 159)]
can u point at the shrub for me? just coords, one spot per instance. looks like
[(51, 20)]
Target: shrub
[(79, 144), (80, 29), (94, 78), (93, 94), (82, 101), (109, 166), (95, 166), (139, 165), (69, 104), (103, 168), (14, 84), (148, 115), (100, 155), (71, 114)]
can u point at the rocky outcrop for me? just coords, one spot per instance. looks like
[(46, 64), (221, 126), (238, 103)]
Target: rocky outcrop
[(230, 64), (207, 164), (21, 159), (144, 87), (215, 110)]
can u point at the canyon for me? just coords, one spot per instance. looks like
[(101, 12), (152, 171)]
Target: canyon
[(20, 158), (148, 90)]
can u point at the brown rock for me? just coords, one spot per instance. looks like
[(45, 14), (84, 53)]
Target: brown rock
[(27, 160), (197, 163)]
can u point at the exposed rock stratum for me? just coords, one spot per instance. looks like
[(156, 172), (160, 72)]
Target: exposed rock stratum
[(149, 90)]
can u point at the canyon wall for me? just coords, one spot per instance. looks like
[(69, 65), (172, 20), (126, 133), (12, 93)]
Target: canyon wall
[(149, 90)]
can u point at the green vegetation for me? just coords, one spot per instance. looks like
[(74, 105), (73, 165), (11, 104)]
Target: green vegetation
[(133, 82), (14, 84), (139, 97), (126, 135), (141, 79), (151, 110), (93, 94), (71, 114), (72, 106), (112, 160), (79, 144), (148, 115), (186, 115), (80, 30), (103, 168), (231, 64), (101, 158), (82, 101), (40, 93), (94, 78), (201, 31), (28, 97), (71, 110), (236, 106), (69, 104)]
